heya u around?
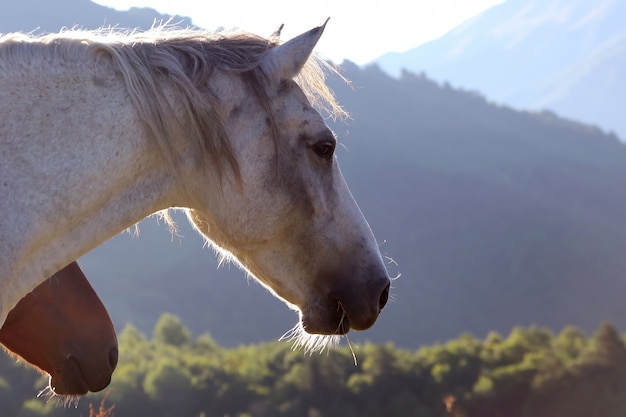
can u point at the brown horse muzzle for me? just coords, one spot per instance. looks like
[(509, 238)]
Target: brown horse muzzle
[(82, 372)]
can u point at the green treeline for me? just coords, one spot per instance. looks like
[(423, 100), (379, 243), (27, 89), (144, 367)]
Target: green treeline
[(529, 373)]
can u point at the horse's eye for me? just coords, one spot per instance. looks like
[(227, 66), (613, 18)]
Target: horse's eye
[(324, 149)]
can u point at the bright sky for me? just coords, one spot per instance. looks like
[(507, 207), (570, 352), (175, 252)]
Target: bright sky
[(358, 30)]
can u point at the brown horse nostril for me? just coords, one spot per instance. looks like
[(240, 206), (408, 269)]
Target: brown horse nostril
[(113, 355), (384, 297)]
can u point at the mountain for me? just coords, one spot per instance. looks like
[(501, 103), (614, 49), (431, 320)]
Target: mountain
[(44, 16), (493, 217), (568, 56)]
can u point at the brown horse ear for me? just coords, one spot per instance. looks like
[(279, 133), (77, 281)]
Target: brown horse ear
[(285, 61)]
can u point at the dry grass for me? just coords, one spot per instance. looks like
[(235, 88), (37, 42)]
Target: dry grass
[(103, 410)]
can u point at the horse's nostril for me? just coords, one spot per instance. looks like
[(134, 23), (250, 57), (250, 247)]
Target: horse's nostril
[(384, 297), (113, 355)]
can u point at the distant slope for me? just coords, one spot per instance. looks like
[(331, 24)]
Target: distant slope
[(495, 218), (53, 15), (565, 55)]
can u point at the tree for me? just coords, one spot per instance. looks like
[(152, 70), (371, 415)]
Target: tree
[(168, 384), (131, 337), (170, 330), (569, 344), (606, 347)]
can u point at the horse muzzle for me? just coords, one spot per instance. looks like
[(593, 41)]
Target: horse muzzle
[(80, 373), (345, 308)]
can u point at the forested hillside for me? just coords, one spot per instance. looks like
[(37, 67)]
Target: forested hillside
[(531, 372)]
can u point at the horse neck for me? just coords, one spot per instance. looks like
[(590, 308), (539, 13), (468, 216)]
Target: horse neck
[(78, 166)]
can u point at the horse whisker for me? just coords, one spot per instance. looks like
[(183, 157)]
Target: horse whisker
[(310, 343), (343, 316), (351, 350), (47, 394), (340, 328)]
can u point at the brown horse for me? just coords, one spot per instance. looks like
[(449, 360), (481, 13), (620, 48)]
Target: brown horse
[(62, 328)]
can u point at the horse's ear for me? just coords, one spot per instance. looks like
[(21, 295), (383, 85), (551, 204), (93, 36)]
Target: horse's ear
[(285, 61), (276, 34)]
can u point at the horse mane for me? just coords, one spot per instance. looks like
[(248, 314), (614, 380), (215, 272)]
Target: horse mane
[(186, 59)]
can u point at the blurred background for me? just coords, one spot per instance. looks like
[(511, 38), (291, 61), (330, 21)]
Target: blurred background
[(485, 148)]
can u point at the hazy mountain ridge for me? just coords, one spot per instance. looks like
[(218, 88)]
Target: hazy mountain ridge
[(495, 218), (42, 16), (567, 56)]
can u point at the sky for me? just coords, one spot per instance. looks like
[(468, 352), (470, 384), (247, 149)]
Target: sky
[(358, 30)]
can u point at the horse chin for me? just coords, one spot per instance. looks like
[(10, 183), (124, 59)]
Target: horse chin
[(67, 388), (71, 380), (310, 343), (332, 323)]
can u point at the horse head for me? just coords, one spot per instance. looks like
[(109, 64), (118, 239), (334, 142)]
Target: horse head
[(287, 216), (63, 329)]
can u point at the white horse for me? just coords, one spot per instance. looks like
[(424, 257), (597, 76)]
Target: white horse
[(101, 129)]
